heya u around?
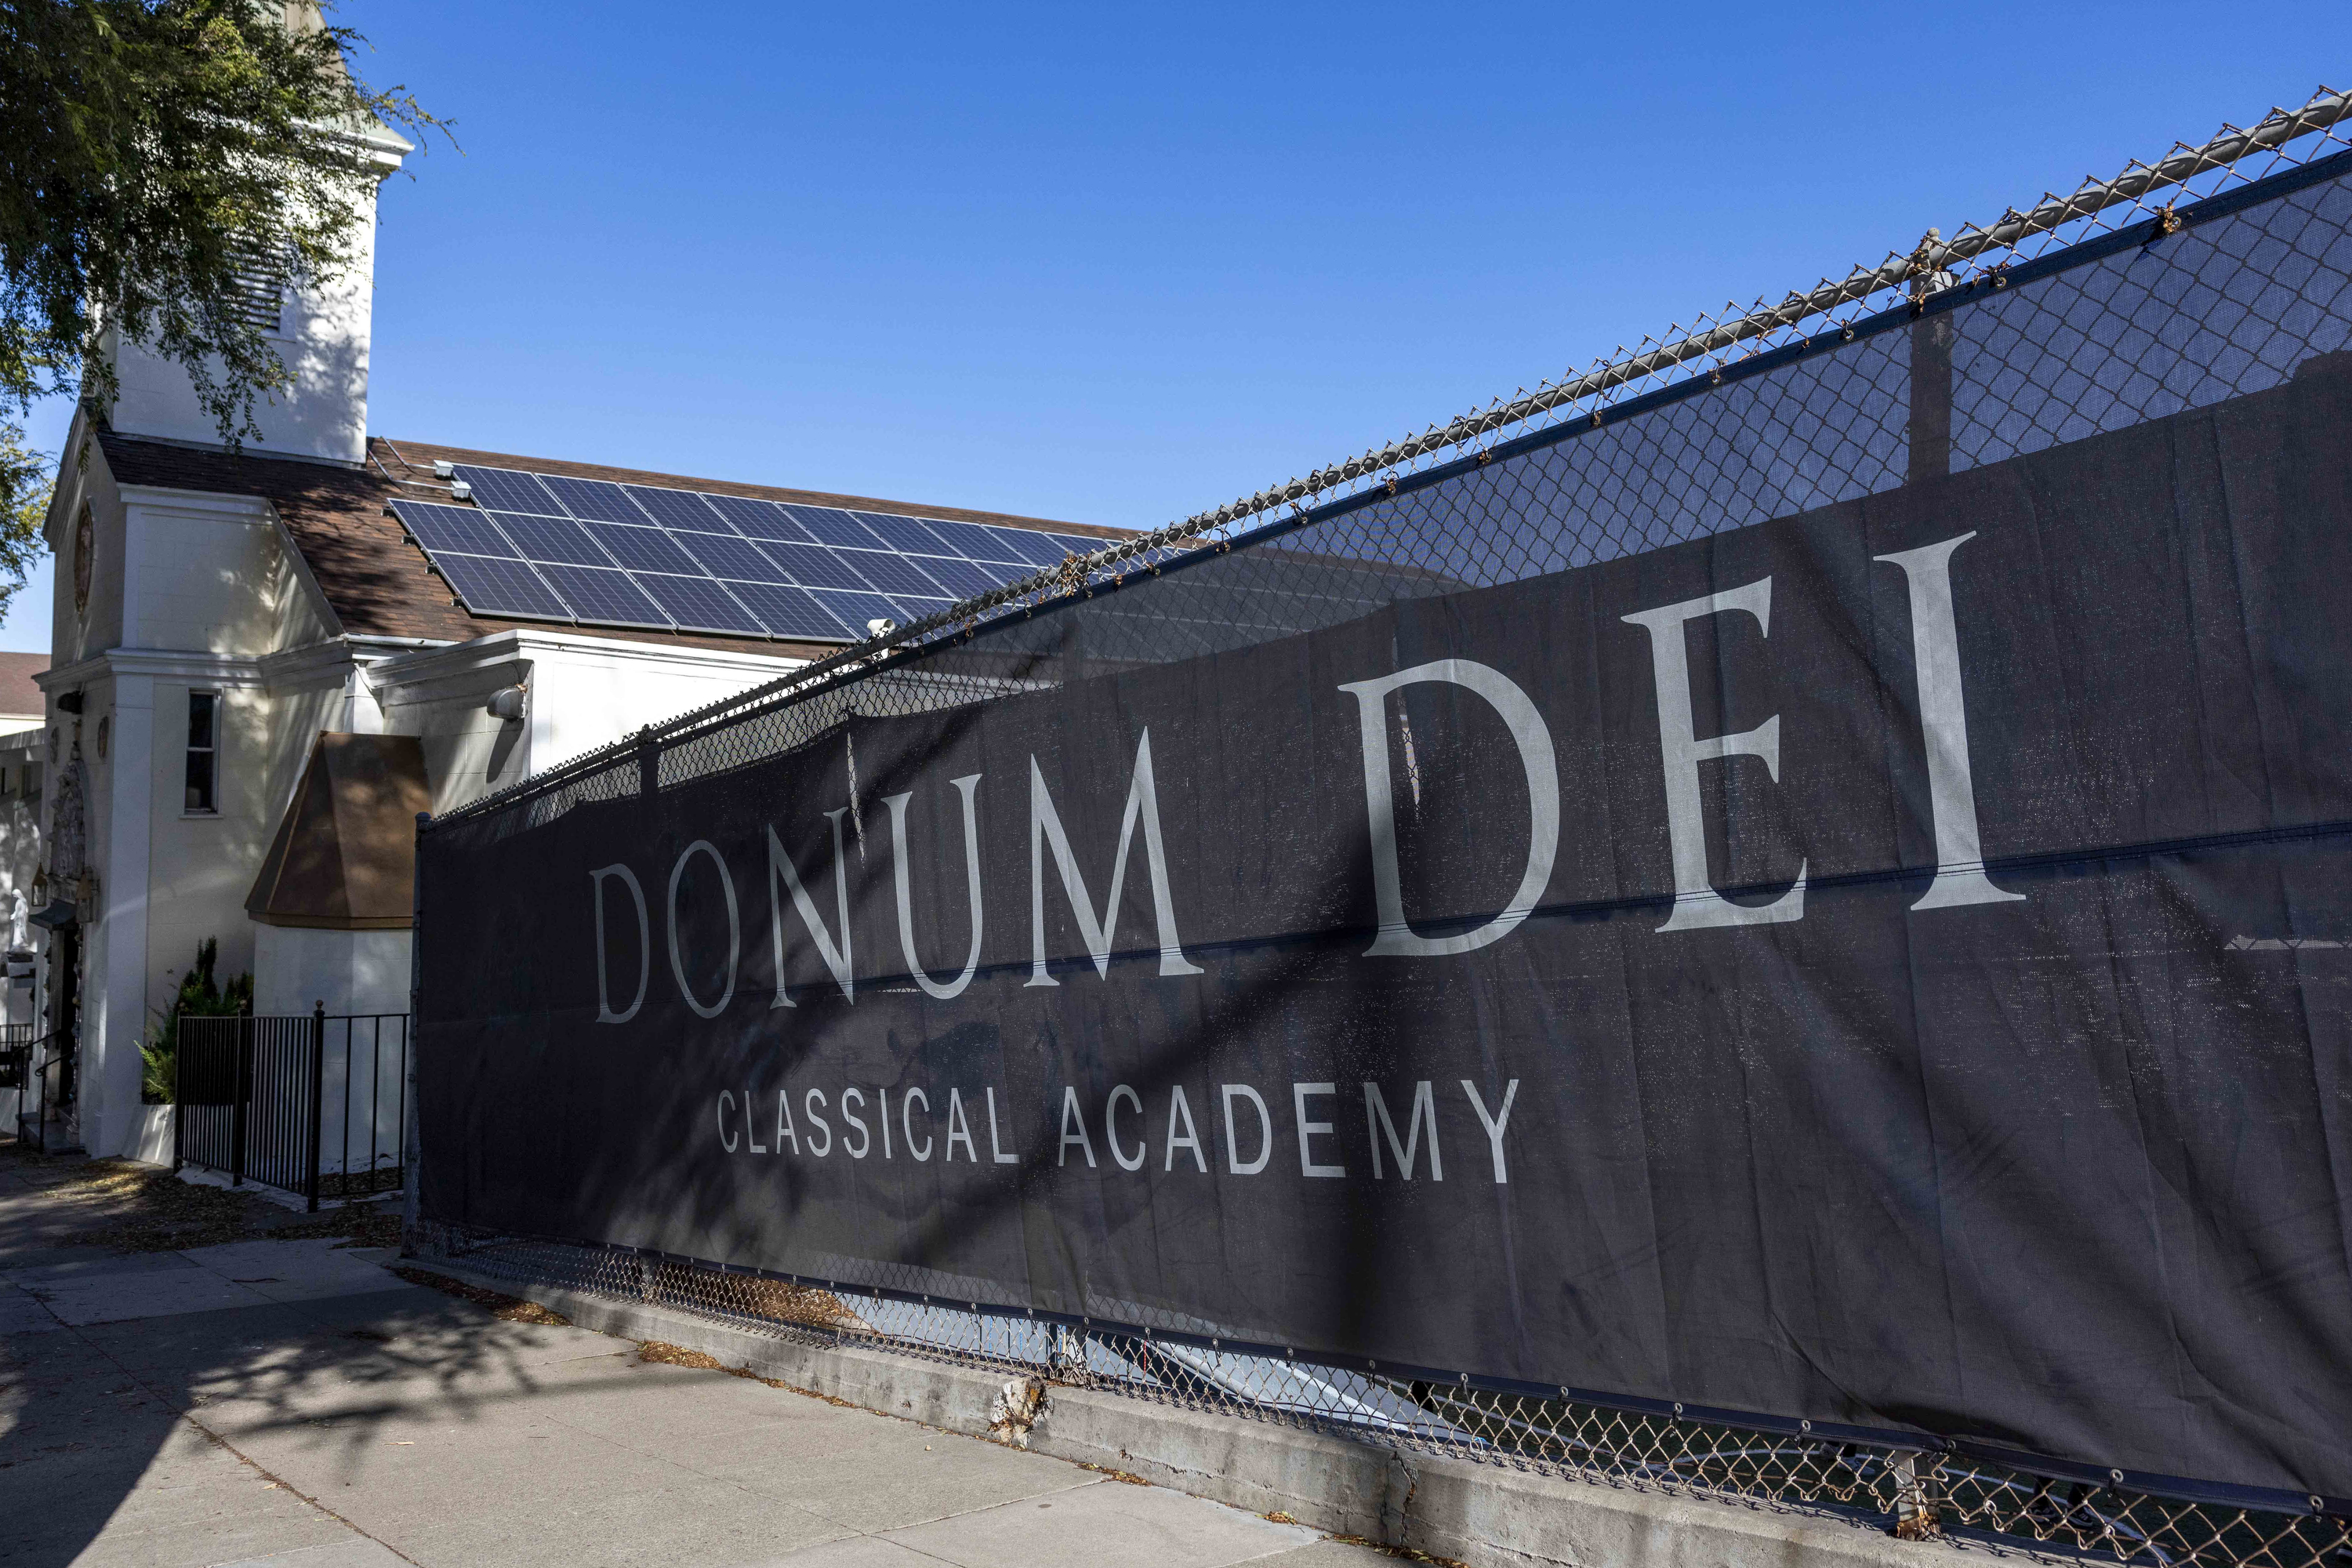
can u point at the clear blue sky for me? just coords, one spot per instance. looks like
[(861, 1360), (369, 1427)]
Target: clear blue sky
[(1117, 264)]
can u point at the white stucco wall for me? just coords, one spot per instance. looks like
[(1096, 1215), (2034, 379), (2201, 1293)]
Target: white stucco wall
[(591, 692), (295, 968), (114, 994), (582, 692)]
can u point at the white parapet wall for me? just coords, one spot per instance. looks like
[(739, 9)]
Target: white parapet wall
[(297, 968), (152, 1142)]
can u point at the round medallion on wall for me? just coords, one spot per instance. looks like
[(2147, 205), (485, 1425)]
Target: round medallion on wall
[(84, 544)]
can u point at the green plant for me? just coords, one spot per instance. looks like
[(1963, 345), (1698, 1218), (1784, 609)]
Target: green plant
[(199, 996)]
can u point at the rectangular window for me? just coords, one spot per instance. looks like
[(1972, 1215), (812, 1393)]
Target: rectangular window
[(203, 751)]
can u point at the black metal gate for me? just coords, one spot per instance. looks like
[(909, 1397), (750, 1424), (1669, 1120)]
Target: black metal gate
[(290, 1101)]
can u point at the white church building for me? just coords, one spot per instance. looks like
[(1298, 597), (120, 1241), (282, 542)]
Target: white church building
[(260, 671)]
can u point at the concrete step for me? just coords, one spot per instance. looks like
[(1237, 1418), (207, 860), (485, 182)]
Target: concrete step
[(55, 1135)]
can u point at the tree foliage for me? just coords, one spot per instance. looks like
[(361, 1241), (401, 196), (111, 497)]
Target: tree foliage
[(23, 502), (155, 155)]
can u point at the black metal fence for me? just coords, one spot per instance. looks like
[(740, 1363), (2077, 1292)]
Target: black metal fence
[(16, 1042), (312, 1104), (1962, 359), (39, 1069)]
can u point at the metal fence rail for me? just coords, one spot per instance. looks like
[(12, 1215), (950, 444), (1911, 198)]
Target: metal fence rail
[(16, 1043), (39, 1068), (1970, 353), (312, 1104), (363, 1104)]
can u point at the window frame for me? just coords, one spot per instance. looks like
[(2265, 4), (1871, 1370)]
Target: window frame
[(190, 750)]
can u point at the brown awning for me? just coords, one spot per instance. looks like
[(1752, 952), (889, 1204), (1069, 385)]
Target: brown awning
[(345, 857)]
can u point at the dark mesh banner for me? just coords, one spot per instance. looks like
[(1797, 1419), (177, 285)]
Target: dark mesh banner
[(1825, 897)]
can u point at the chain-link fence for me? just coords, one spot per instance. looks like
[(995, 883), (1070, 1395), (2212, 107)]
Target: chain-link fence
[(2220, 272), (1918, 1493)]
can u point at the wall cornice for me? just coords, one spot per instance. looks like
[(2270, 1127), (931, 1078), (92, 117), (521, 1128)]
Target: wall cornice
[(313, 664), (458, 662), (213, 504), (155, 663)]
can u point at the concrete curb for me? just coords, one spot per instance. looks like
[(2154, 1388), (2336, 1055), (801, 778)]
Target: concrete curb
[(1484, 1515)]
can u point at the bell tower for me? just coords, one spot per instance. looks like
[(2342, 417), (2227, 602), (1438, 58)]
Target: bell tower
[(320, 333)]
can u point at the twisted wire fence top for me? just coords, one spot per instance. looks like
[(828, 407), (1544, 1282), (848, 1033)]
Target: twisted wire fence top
[(1713, 341)]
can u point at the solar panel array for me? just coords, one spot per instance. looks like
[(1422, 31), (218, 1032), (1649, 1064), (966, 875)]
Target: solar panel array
[(545, 547)]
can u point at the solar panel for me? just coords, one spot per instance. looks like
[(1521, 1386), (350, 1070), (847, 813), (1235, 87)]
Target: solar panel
[(495, 587), (643, 549), (676, 509), (814, 566), (833, 526), (725, 555), (698, 603), (457, 528), (1034, 548), (855, 610), (789, 612), (904, 533), (964, 579), (760, 518), (971, 540), (605, 595), (502, 490), (593, 499), (892, 573), (554, 547), (913, 610), (557, 539)]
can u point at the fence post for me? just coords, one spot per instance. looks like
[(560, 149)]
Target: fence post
[(318, 1131), (1928, 431), (411, 1153), (1915, 1505), (179, 1123), (236, 1113)]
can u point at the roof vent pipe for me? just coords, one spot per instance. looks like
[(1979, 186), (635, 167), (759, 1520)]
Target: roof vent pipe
[(506, 704)]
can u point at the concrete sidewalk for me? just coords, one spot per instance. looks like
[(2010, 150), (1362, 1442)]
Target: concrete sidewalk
[(291, 1401)]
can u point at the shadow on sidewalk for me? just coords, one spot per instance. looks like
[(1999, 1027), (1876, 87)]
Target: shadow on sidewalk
[(94, 1410)]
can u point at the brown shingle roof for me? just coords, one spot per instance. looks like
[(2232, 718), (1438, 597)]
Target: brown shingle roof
[(18, 692), (380, 584)]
